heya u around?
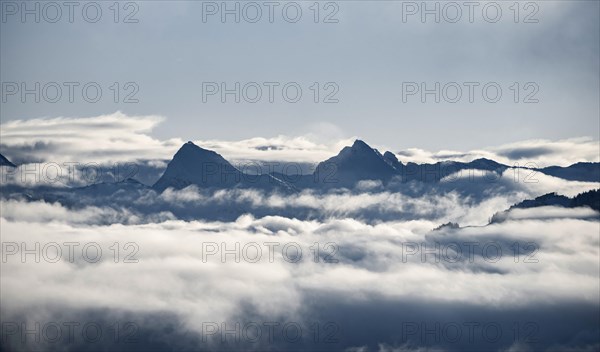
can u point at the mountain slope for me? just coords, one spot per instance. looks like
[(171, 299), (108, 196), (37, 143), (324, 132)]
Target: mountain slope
[(589, 199), (193, 165), (5, 162), (589, 172), (392, 160), (353, 164), (550, 199), (436, 172)]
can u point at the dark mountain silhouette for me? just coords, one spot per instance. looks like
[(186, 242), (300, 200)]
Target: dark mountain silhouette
[(353, 164), (362, 162), (207, 169), (437, 171), (448, 225), (550, 199), (193, 165), (577, 172), (392, 160), (590, 199), (5, 162)]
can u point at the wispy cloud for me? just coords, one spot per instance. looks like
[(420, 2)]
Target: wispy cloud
[(118, 137)]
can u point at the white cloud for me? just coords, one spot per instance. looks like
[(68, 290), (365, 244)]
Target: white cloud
[(118, 137), (178, 274), (106, 138), (532, 153), (532, 183)]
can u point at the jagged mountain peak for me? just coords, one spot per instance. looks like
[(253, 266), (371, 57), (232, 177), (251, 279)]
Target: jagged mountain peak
[(359, 147), (392, 160), (355, 163), (190, 147), (193, 165), (360, 144), (390, 156)]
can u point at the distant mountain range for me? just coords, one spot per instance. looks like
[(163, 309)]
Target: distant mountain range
[(575, 172), (590, 199), (359, 162), (356, 169), (193, 165)]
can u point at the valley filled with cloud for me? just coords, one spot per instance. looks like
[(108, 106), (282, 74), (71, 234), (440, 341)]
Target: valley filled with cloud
[(353, 249)]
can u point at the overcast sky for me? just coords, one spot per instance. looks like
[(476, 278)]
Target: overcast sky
[(366, 55)]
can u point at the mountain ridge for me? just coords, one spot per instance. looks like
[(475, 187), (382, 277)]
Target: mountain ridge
[(589, 199), (193, 165), (358, 162)]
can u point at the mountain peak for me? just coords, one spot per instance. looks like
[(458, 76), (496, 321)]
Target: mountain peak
[(355, 163), (360, 144), (189, 145), (189, 149), (195, 165)]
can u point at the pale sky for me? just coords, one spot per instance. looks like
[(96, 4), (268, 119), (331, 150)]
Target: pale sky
[(366, 56)]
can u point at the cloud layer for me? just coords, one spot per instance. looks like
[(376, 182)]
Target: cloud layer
[(120, 138), (387, 274), (363, 264)]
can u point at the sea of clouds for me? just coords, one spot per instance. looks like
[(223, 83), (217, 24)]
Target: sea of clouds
[(367, 286), (347, 269)]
